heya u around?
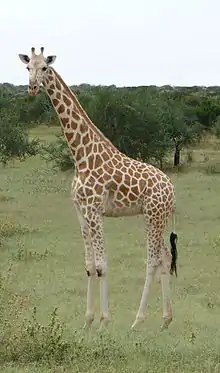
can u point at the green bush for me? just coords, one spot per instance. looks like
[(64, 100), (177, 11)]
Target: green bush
[(14, 140), (26, 339), (58, 154), (217, 127)]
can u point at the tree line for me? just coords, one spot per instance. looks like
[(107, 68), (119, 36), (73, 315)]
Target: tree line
[(145, 122)]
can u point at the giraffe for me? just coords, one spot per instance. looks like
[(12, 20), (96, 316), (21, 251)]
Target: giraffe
[(109, 183)]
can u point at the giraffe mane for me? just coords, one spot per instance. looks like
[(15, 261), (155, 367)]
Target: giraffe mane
[(73, 97)]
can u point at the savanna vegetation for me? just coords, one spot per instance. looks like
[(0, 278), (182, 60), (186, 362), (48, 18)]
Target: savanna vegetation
[(42, 276), (145, 122)]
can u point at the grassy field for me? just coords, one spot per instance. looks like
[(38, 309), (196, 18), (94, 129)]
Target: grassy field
[(42, 267)]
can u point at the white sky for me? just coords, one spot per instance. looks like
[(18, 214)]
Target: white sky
[(121, 42)]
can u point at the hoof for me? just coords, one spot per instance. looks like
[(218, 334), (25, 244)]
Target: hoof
[(104, 320), (166, 323), (88, 322), (138, 320)]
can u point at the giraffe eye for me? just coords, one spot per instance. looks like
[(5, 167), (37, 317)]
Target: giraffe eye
[(44, 68), (28, 68)]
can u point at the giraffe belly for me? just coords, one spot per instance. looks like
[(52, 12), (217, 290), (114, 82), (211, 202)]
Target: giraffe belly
[(114, 208)]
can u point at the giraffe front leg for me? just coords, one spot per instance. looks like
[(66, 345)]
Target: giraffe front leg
[(104, 318), (97, 239), (90, 294), (90, 269)]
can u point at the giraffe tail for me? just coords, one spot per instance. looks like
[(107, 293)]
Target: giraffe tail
[(173, 241)]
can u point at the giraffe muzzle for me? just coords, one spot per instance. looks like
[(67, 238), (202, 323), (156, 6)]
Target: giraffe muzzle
[(33, 90)]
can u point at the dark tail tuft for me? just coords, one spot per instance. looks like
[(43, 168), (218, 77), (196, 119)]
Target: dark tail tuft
[(173, 241)]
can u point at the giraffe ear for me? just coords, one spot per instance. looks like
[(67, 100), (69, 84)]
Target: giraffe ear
[(24, 58), (50, 59)]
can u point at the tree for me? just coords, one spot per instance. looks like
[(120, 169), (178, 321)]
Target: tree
[(145, 122), (181, 126)]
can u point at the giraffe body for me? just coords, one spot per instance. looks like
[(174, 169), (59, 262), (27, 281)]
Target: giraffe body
[(108, 183), (129, 190)]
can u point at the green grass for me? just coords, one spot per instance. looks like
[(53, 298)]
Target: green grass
[(42, 247), (45, 133)]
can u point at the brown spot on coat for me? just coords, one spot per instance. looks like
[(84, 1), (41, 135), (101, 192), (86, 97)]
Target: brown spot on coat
[(124, 190), (100, 148), (61, 109), (55, 102), (65, 121), (69, 136), (85, 139), (119, 196), (73, 125), (158, 176), (83, 128), (58, 85), (77, 140), (135, 190), (88, 149), (66, 100), (91, 161), (98, 161), (83, 165), (58, 95), (149, 192), (105, 156), (75, 115), (100, 171), (132, 197), (106, 177)]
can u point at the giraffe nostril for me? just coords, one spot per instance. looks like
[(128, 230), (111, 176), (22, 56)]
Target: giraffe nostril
[(32, 87)]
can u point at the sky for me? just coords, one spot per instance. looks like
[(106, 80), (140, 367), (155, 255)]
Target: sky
[(120, 42)]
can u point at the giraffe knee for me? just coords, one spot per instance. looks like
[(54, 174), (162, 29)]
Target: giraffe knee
[(99, 272), (166, 263), (101, 269), (90, 273), (167, 260), (90, 269)]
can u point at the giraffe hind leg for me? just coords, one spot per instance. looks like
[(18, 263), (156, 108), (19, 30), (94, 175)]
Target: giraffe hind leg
[(150, 273), (158, 258), (165, 287), (154, 260)]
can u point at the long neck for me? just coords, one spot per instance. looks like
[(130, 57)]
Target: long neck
[(80, 132)]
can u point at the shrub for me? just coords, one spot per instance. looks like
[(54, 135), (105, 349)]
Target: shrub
[(14, 140), (27, 340), (217, 127), (58, 154), (213, 168)]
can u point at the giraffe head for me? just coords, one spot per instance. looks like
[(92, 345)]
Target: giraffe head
[(37, 66)]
